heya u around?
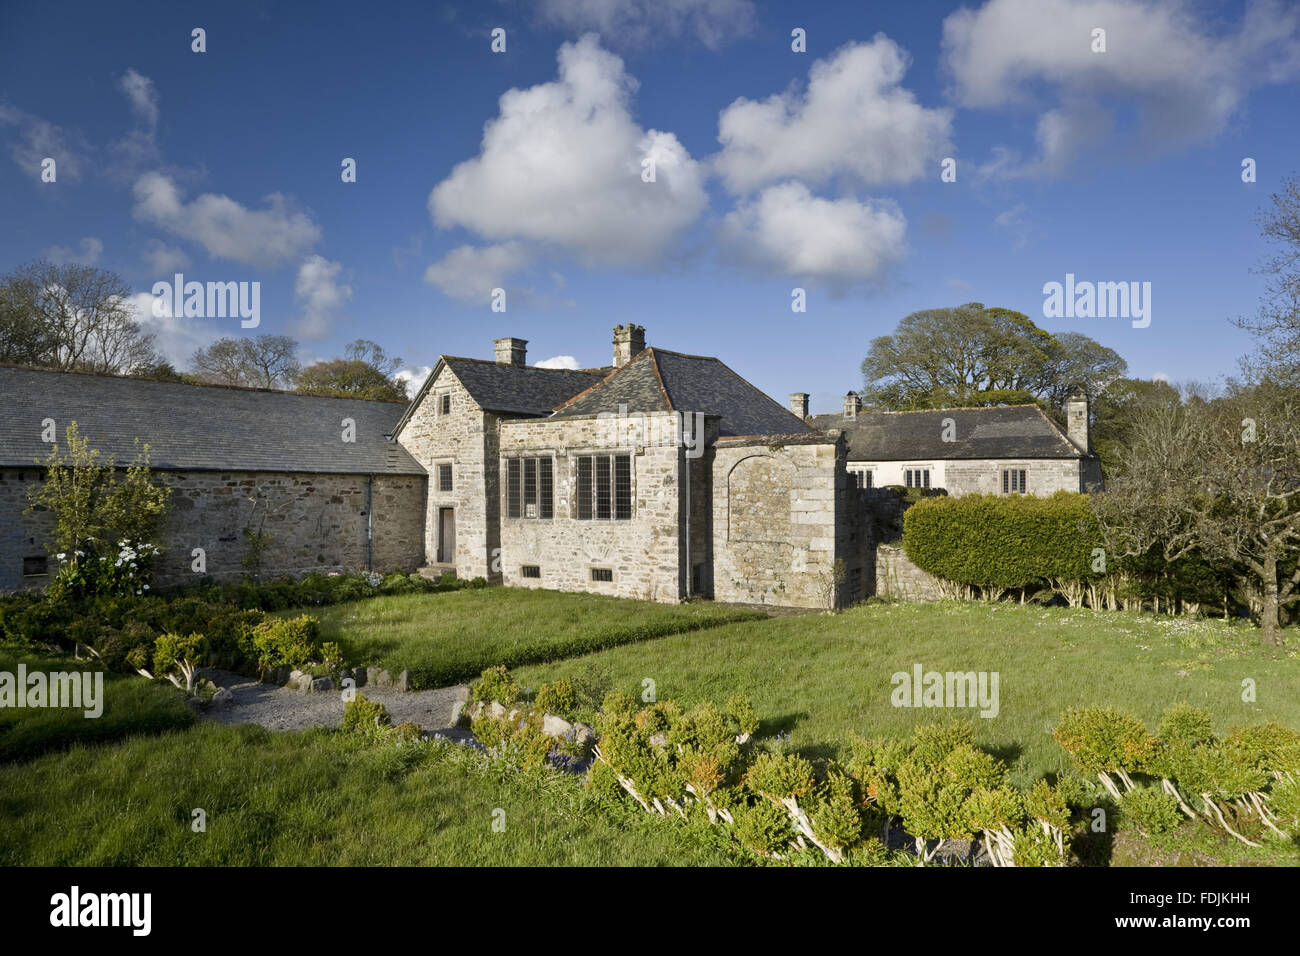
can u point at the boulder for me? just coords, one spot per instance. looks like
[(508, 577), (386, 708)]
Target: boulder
[(457, 713), (582, 732), (554, 726), (462, 693), (496, 710), (321, 684), (223, 698), (299, 680), (359, 675), (381, 678), (404, 680)]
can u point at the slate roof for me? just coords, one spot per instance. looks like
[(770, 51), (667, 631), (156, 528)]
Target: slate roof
[(1014, 431), (658, 380), (199, 427), (520, 390)]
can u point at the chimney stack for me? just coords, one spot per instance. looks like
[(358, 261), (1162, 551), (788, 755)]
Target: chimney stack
[(1076, 418), (628, 341), (511, 351), (852, 405), (799, 404)]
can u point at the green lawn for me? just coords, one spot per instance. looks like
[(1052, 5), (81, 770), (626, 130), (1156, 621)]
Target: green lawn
[(446, 638), (318, 798), (124, 791), (822, 678), (131, 706)]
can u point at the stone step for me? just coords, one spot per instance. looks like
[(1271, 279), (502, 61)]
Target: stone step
[(435, 571)]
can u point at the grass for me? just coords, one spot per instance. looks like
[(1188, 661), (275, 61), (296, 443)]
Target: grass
[(319, 798), (822, 678), (447, 638), (131, 705), (121, 790)]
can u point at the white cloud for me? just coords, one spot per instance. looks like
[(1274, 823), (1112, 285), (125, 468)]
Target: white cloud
[(413, 378), (177, 337), (225, 228), (561, 164), (559, 361), (644, 22), (470, 273), (840, 241), (34, 139), (1183, 81), (91, 250), (139, 147), (853, 118), (321, 295), (164, 259)]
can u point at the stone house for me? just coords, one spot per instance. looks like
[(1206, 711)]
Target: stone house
[(662, 476), (1013, 449)]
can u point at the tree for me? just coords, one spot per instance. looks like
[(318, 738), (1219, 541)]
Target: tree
[(268, 361), (1220, 477), (92, 501), (24, 338), (1277, 324), (1117, 409), (84, 312), (365, 371), (973, 356)]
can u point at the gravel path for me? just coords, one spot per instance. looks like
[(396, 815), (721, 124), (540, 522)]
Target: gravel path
[(279, 708)]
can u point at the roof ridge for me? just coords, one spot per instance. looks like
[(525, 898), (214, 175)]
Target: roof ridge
[(10, 366)]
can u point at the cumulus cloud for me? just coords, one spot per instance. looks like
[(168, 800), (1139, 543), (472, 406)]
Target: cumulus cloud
[(559, 361), (470, 273), (224, 227), (1162, 62), (561, 164), (91, 250), (321, 295), (854, 117), (164, 259), (841, 241), (175, 337), (413, 378), (33, 139), (646, 22)]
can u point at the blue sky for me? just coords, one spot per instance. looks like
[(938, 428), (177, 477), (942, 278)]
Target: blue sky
[(1122, 165)]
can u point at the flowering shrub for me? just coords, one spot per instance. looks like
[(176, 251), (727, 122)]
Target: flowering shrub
[(125, 573)]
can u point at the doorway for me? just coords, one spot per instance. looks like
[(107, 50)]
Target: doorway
[(446, 535)]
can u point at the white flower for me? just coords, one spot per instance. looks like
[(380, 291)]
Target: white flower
[(61, 555), (146, 587)]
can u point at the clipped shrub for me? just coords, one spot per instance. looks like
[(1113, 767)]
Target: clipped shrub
[(764, 828), (495, 683), (286, 642), (361, 715), (1150, 810), (557, 697)]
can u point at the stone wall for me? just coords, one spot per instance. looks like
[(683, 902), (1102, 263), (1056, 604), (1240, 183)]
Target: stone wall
[(898, 578), (776, 535), (315, 523), (1044, 476), (644, 553), (462, 439)]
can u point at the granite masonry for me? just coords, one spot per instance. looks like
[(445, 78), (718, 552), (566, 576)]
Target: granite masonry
[(662, 476)]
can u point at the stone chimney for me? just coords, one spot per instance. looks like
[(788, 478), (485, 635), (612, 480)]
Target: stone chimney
[(1076, 418), (511, 351), (799, 404), (852, 405), (628, 341)]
